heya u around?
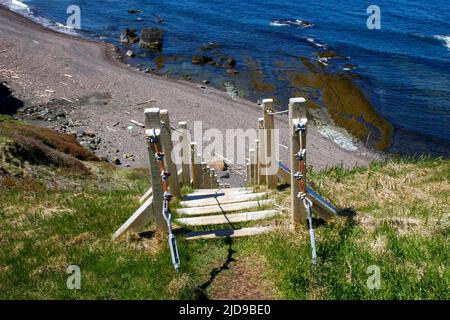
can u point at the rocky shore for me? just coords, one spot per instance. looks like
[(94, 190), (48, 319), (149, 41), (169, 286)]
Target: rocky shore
[(76, 86)]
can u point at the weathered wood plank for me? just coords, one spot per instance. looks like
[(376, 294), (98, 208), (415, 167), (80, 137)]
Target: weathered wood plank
[(222, 198), (147, 194), (244, 232), (297, 112), (226, 190), (166, 141), (228, 218), (185, 155), (138, 220), (153, 121), (225, 207), (270, 148)]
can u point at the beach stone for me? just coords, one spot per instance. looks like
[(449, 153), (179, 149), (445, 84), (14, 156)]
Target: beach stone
[(63, 121), (89, 133), (129, 36), (151, 38), (116, 161), (225, 175), (201, 59)]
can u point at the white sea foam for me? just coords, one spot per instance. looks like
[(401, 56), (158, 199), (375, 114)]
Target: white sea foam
[(277, 23), (291, 23), (338, 136), (444, 39), (16, 5), (23, 9)]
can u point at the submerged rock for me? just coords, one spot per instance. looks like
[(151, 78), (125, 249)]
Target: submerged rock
[(209, 46), (201, 59), (129, 36), (151, 38)]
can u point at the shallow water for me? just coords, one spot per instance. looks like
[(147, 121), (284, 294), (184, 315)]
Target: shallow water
[(404, 68)]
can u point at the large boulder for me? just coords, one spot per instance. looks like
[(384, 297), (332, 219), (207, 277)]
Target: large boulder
[(129, 36), (151, 38)]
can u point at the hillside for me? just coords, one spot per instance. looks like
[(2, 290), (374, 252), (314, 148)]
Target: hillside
[(59, 206)]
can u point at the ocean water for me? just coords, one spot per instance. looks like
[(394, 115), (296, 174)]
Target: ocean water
[(403, 68)]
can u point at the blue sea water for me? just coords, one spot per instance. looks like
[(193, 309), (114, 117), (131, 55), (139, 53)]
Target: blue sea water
[(404, 67)]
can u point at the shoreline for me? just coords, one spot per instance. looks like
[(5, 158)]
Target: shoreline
[(50, 66)]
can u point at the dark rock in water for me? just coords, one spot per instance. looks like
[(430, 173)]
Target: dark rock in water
[(230, 62), (201, 59), (328, 54), (129, 36), (133, 11), (151, 38), (209, 46), (232, 71), (187, 77)]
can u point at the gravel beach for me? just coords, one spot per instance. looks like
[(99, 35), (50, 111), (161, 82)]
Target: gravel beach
[(100, 94)]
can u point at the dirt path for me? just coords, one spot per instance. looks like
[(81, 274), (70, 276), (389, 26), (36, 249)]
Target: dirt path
[(244, 280)]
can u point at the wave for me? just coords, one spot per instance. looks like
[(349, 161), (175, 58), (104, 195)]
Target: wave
[(16, 5), (444, 39), (24, 10), (291, 23), (315, 43)]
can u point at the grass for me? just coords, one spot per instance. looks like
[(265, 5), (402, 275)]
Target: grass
[(401, 226), (56, 218)]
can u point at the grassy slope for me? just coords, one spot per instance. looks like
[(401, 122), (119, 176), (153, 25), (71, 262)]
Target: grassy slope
[(56, 218)]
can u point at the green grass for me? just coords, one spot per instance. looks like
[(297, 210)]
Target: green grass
[(55, 220)]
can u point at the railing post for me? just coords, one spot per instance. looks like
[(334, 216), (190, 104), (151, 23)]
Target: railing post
[(251, 154), (196, 167), (261, 153), (297, 117), (205, 176), (185, 173), (167, 145), (212, 173), (257, 163), (269, 126), (153, 121)]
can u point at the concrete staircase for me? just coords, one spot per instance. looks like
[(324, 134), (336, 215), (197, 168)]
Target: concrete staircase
[(222, 209)]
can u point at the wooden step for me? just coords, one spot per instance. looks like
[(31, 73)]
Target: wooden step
[(212, 234), (225, 190), (228, 218), (222, 199), (210, 194), (239, 206)]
